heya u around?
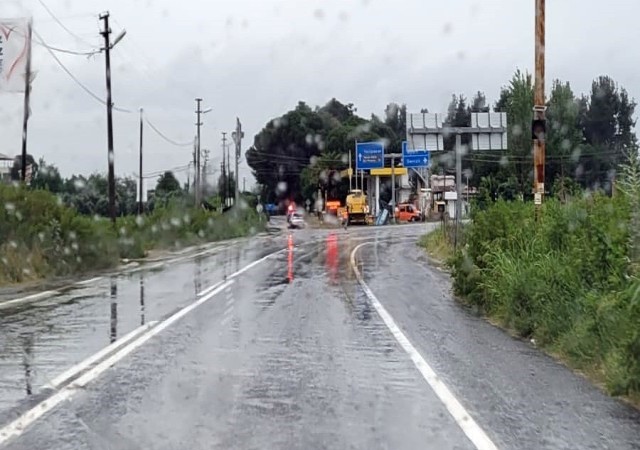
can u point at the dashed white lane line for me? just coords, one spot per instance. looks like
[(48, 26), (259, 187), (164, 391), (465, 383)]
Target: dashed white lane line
[(19, 425), (464, 420), (225, 320)]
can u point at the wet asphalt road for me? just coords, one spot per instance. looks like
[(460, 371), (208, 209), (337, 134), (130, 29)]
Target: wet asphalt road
[(292, 354)]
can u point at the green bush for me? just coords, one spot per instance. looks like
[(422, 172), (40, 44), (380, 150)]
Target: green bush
[(564, 279), (40, 237)]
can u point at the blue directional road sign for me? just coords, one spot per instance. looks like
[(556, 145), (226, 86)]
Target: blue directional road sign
[(415, 158), (369, 155)]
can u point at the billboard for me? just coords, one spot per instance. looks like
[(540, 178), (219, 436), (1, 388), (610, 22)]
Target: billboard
[(15, 47)]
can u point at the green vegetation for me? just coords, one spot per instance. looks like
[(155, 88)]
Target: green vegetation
[(567, 280), (588, 135), (41, 237), (439, 244)]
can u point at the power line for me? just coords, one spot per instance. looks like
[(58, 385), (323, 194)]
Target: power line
[(63, 50), (78, 82), (53, 16), (169, 140)]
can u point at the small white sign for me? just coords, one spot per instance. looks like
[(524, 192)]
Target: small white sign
[(451, 195), (537, 198)]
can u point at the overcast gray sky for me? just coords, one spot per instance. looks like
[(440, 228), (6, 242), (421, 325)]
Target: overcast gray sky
[(256, 59)]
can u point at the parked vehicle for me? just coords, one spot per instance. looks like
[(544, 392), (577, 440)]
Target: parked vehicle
[(406, 212)]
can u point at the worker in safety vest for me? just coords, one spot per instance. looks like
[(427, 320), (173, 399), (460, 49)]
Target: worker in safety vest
[(345, 218)]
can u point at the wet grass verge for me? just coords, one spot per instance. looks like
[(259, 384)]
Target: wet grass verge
[(40, 238), (564, 281)]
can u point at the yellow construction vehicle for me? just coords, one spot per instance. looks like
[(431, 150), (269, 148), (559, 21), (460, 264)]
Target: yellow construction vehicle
[(357, 207)]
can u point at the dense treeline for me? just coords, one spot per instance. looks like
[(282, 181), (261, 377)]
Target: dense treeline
[(587, 137)]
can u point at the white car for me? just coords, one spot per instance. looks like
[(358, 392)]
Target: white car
[(296, 221)]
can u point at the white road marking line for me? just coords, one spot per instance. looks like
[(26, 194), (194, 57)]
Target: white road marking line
[(209, 289), (228, 311), (464, 420), (28, 299), (225, 320), (19, 425), (89, 281), (93, 359), (230, 301)]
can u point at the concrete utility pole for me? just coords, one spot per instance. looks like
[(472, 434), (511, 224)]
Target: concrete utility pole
[(224, 168), (111, 176), (227, 183), (204, 170), (237, 138), (140, 204), (538, 128), (198, 125), (195, 149)]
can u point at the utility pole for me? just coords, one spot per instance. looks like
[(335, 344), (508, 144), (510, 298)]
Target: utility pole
[(237, 138), (27, 90), (538, 127), (224, 167), (458, 186), (228, 180), (350, 170), (221, 193), (140, 204), (244, 184), (204, 171), (111, 176), (198, 125), (195, 149)]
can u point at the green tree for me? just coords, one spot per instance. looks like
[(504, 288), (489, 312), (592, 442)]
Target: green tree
[(564, 137), (283, 148), (16, 169), (167, 184), (48, 177), (516, 100), (606, 118)]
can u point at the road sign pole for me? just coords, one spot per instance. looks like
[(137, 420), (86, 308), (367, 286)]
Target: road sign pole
[(377, 205), (393, 189)]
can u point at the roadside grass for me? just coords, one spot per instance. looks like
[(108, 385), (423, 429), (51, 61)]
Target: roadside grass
[(42, 238), (437, 245), (565, 281)]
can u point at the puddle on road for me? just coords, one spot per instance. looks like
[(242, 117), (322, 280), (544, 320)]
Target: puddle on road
[(41, 340)]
